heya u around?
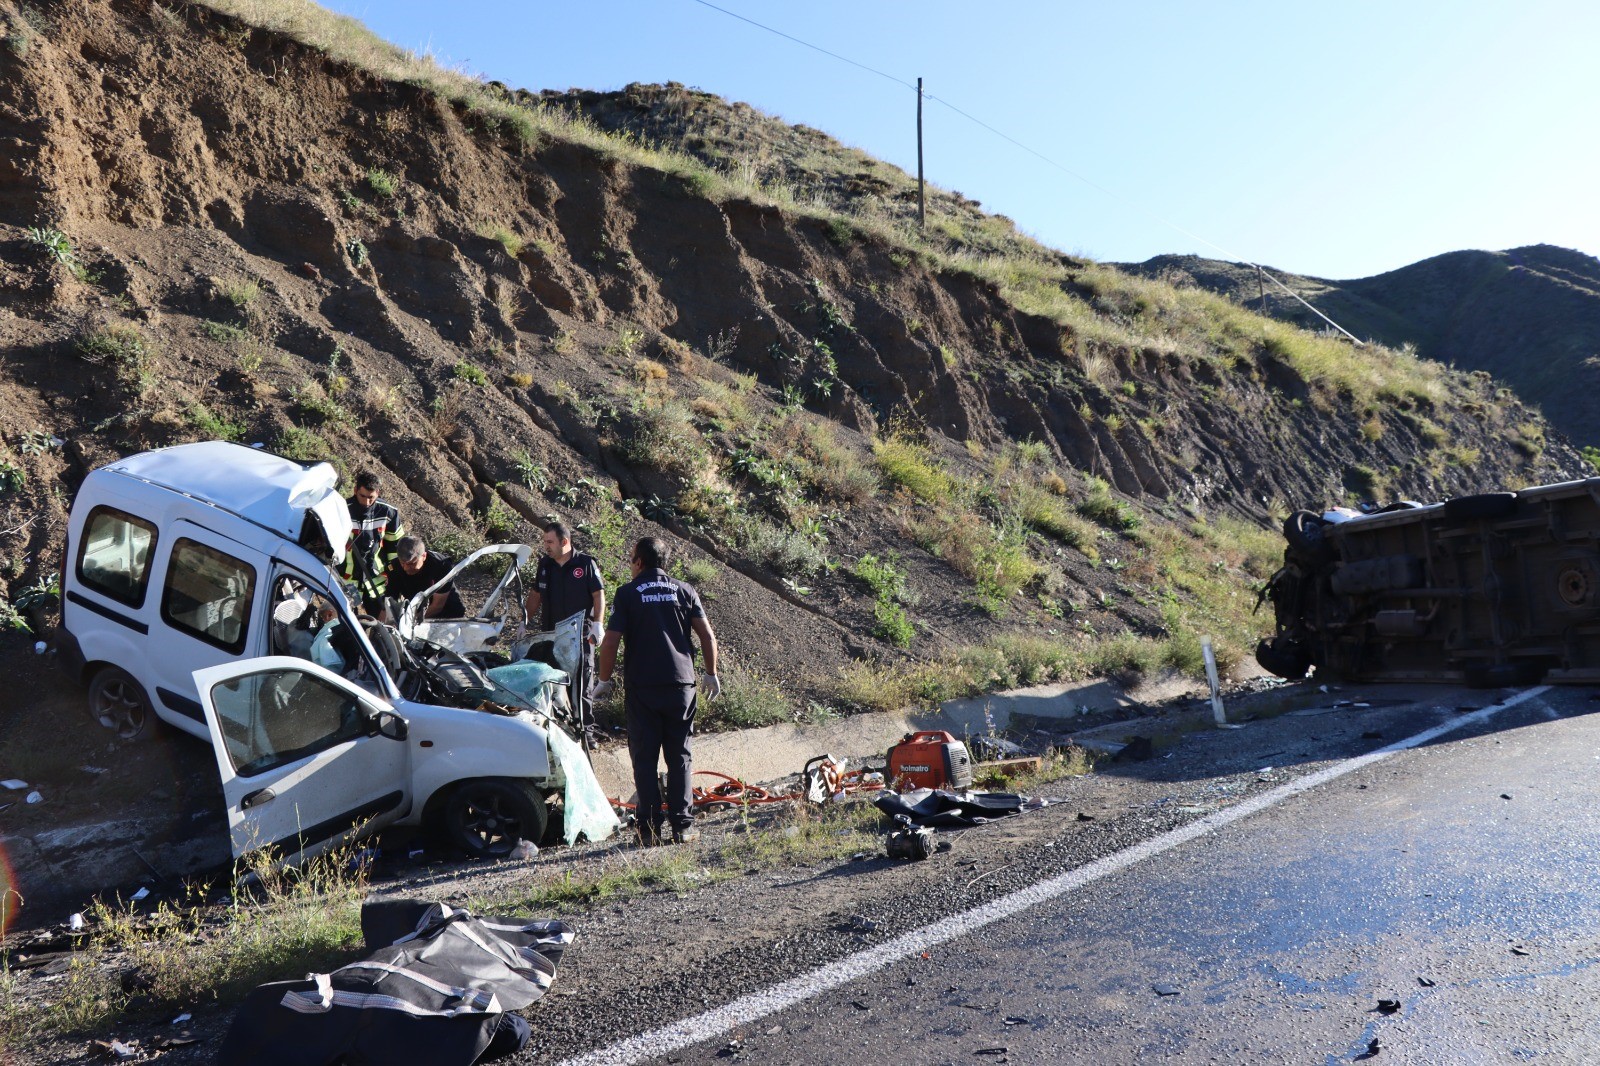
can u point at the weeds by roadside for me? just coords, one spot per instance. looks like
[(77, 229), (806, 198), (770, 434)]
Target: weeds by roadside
[(189, 952)]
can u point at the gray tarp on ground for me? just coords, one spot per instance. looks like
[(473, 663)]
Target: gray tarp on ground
[(436, 990)]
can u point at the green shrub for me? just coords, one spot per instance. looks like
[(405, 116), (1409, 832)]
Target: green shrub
[(382, 183), (888, 585), (1049, 514), (122, 349), (882, 576), (1592, 454), (700, 572), (505, 237), (784, 551), (213, 426), (302, 445), (12, 477), (472, 375), (1106, 509), (891, 623), (661, 435), (499, 521), (746, 703), (224, 332), (910, 466), (56, 245), (241, 293)]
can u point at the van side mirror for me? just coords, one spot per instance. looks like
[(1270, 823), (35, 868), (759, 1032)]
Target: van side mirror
[(391, 725)]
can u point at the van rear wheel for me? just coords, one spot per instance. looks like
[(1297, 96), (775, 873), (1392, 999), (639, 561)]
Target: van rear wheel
[(119, 703), (486, 818)]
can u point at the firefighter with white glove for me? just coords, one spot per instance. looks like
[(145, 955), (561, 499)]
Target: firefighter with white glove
[(567, 582), (659, 619)]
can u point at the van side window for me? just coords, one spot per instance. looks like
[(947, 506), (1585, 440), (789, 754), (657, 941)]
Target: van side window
[(280, 716), (208, 594), (114, 558)]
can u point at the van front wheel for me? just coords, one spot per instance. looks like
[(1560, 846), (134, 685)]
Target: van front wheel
[(119, 703), (487, 818)]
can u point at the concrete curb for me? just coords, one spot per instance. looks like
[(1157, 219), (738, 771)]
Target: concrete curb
[(772, 753)]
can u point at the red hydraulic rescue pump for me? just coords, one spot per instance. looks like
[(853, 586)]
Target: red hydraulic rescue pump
[(929, 759)]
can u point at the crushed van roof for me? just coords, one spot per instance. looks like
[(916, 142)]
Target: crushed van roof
[(256, 485)]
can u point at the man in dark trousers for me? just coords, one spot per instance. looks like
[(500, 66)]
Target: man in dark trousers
[(416, 570), (568, 582), (654, 616), (375, 530)]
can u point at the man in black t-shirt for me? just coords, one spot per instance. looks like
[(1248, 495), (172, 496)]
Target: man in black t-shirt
[(657, 616), (416, 569), (568, 582)]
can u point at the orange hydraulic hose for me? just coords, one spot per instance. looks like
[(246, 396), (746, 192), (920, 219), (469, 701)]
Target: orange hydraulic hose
[(735, 792)]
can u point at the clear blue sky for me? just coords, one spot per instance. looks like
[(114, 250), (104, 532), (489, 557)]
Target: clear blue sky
[(1337, 140)]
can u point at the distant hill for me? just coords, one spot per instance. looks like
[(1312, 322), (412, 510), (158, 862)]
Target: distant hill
[(1529, 316)]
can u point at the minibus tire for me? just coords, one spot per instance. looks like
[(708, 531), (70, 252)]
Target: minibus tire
[(487, 817), (119, 703)]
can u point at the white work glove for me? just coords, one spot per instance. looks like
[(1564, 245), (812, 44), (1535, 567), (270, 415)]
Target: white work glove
[(712, 686), (595, 632), (602, 689)]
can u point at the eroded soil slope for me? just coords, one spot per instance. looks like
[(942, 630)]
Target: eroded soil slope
[(213, 230)]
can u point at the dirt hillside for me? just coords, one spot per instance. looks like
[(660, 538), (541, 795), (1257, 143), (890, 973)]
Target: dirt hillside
[(210, 229), (1529, 316)]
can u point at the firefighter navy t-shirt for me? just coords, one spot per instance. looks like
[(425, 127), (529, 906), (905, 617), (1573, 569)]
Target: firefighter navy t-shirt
[(404, 586), (566, 588), (654, 615)]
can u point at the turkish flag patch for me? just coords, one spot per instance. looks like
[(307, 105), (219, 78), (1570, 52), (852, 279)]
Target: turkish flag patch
[(577, 571)]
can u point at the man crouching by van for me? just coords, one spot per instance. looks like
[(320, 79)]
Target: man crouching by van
[(375, 533)]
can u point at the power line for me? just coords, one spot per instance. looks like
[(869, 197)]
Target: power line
[(807, 44), (1040, 155)]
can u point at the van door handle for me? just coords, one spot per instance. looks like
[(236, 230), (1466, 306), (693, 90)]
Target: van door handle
[(259, 796)]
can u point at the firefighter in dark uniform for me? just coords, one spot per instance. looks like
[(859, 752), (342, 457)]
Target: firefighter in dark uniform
[(568, 582), (654, 616)]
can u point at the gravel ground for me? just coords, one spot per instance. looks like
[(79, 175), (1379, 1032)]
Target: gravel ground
[(643, 962)]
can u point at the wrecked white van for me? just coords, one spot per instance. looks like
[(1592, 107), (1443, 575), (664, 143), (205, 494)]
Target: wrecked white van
[(197, 591)]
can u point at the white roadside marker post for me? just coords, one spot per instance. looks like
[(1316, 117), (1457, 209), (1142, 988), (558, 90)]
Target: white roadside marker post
[(1217, 712)]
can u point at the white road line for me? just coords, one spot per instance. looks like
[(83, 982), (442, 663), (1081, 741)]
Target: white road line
[(768, 1001)]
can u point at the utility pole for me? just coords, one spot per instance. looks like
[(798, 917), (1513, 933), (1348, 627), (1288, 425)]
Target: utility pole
[(922, 203), (1261, 279)]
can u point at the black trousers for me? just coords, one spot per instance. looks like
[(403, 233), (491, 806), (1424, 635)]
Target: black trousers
[(660, 719)]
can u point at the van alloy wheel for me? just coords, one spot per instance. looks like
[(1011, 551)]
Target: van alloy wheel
[(119, 703), (486, 818)]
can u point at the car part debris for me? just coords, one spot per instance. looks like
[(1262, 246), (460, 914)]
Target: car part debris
[(929, 759), (909, 842), (1491, 590)]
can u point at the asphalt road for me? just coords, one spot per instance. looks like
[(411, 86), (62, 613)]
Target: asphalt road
[(1436, 905)]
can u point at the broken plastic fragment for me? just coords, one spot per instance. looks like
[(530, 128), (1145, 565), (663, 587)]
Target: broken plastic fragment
[(1424, 982), (180, 1019), (1164, 989), (1388, 1006), (525, 849), (34, 797), (75, 923), (141, 894), (13, 784)]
